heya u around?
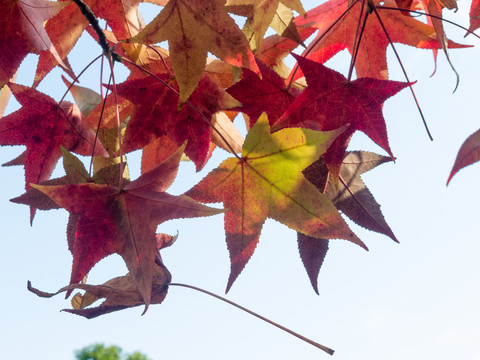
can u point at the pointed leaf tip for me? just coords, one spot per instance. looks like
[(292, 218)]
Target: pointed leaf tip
[(468, 154)]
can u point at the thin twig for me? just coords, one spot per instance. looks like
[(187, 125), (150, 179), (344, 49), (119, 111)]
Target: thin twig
[(432, 16), (301, 337), (104, 102)]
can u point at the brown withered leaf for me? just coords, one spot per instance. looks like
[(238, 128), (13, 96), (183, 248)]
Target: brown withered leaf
[(352, 197), (119, 293)]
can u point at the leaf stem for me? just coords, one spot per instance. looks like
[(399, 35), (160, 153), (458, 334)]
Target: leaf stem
[(117, 115), (78, 77), (65, 94), (358, 39), (401, 65), (104, 102), (311, 342), (161, 57)]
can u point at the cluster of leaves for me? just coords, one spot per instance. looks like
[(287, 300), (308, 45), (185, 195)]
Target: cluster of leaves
[(102, 352), (293, 165)]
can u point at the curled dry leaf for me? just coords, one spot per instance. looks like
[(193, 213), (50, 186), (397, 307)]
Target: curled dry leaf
[(119, 293)]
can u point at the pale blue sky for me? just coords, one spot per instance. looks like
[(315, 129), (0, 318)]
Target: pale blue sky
[(414, 300)]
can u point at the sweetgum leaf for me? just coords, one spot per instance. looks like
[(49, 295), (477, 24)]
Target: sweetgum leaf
[(468, 154), (350, 196), (224, 126), (43, 126), (85, 98), (157, 152), (267, 182), (371, 60), (264, 12), (75, 173), (434, 8), (71, 18), (268, 94), (120, 15), (283, 23), (312, 252), (19, 160), (123, 220), (156, 113), (275, 48), (23, 33), (193, 28), (330, 101)]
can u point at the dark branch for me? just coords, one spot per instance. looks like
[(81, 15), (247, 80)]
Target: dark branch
[(102, 39)]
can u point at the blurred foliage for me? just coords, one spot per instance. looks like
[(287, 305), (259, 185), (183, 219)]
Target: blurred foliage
[(100, 352)]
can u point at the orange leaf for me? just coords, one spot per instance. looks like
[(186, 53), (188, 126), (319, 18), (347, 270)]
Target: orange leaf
[(194, 28)]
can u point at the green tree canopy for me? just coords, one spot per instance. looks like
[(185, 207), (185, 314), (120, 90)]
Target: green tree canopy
[(100, 352)]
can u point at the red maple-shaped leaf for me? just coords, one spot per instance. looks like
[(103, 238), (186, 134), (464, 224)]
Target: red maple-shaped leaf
[(468, 154), (43, 126), (371, 59), (156, 113), (157, 152), (124, 220), (268, 94), (69, 18), (75, 173), (120, 15), (23, 32), (275, 48), (267, 182), (331, 101)]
